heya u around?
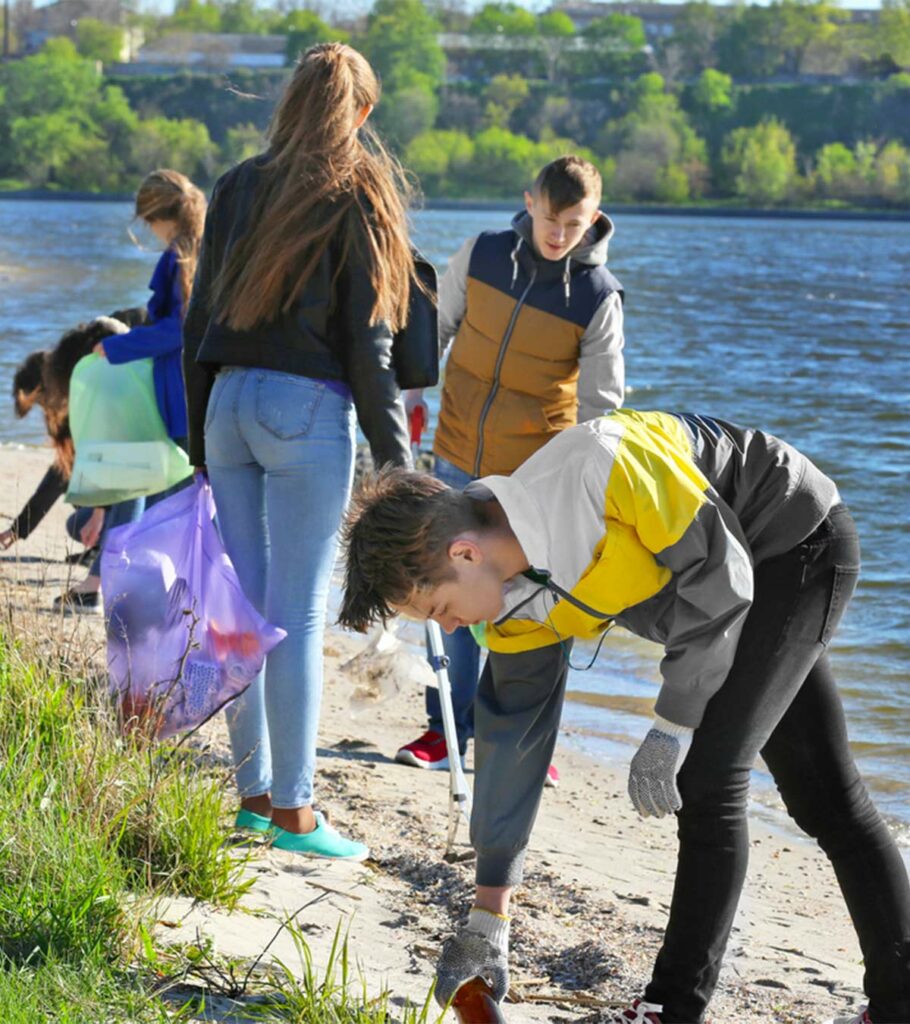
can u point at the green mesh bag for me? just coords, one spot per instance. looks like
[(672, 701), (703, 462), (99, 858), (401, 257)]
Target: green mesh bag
[(122, 447)]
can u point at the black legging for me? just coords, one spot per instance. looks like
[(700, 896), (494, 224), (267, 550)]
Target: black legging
[(780, 700)]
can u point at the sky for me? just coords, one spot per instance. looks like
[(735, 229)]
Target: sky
[(349, 8)]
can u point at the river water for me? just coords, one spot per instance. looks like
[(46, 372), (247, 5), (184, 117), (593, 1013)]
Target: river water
[(798, 327)]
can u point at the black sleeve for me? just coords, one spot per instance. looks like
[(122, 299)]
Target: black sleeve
[(52, 487), (198, 379), (367, 354)]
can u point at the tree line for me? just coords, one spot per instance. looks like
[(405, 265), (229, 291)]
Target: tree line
[(675, 125), (750, 43)]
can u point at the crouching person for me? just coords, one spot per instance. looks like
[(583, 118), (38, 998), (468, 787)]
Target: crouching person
[(735, 552)]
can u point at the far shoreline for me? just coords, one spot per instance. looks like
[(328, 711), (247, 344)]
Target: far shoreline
[(496, 205)]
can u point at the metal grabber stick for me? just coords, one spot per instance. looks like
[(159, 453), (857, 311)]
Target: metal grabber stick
[(459, 794)]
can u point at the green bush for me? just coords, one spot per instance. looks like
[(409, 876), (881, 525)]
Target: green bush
[(658, 155), (440, 159), (892, 174), (503, 163), (837, 173), (401, 44), (98, 40), (304, 29), (405, 114), (761, 163), (183, 144)]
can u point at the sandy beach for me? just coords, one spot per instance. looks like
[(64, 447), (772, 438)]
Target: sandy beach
[(587, 922)]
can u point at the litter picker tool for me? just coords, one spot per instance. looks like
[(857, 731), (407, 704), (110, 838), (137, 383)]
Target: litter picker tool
[(459, 794)]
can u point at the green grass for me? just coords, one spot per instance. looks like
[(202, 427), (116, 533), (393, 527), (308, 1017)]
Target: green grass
[(95, 829), (86, 817), (91, 992), (323, 998), (279, 993)]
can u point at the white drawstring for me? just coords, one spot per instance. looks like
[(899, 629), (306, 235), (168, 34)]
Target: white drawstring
[(515, 263), (566, 279)]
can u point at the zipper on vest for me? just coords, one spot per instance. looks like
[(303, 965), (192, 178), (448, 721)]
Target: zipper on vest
[(503, 345)]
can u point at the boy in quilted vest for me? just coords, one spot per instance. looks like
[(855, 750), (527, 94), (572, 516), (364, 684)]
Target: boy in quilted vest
[(532, 321)]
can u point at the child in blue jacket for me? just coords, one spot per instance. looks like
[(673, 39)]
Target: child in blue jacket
[(174, 210)]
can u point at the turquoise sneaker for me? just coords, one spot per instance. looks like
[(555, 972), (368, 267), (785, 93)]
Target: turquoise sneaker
[(253, 822), (323, 841)]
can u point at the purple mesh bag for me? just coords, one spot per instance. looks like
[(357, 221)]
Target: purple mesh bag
[(182, 639)]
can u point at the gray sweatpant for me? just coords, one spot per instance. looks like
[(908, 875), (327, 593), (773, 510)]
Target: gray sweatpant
[(516, 721)]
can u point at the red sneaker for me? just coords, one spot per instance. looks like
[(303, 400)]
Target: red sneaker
[(639, 1012), (552, 779), (429, 751)]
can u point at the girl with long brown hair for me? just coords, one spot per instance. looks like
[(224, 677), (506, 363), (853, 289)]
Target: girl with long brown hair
[(305, 275), (173, 208)]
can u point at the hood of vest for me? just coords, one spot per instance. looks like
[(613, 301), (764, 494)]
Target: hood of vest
[(590, 252)]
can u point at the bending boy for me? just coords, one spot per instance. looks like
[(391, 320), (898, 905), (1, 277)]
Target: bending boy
[(735, 552), (533, 322)]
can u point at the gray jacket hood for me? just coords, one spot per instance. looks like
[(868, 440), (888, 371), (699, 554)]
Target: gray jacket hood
[(590, 252)]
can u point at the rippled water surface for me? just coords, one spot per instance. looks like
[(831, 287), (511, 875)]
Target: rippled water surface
[(799, 327)]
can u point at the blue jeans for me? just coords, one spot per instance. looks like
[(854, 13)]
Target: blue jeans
[(460, 646), (115, 515), (280, 458)]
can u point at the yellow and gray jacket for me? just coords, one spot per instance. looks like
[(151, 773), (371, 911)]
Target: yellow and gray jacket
[(654, 521), (536, 345)]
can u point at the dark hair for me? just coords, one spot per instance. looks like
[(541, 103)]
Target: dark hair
[(28, 382), (43, 379), (325, 181), (567, 181), (396, 538)]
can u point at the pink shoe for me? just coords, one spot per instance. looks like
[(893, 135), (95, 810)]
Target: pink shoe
[(552, 779), (429, 751)]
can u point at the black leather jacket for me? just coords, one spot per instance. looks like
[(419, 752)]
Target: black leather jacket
[(325, 335)]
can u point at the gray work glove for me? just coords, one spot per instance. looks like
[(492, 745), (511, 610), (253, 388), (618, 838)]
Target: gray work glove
[(479, 949), (652, 774)]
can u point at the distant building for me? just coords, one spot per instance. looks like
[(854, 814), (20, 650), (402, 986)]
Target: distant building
[(658, 19), (38, 24), (210, 51), (456, 42), (469, 55)]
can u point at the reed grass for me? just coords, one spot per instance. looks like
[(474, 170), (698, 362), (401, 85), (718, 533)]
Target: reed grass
[(95, 829)]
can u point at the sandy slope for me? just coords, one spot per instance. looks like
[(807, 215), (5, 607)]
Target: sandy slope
[(587, 923)]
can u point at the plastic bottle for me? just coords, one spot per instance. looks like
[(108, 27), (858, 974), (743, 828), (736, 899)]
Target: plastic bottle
[(474, 1004)]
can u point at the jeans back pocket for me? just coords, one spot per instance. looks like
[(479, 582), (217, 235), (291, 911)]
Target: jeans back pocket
[(286, 405), (845, 577)]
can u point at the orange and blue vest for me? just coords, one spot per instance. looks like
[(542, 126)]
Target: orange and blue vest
[(511, 378)]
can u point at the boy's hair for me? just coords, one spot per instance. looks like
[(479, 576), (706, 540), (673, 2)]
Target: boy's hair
[(396, 537), (567, 181)]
